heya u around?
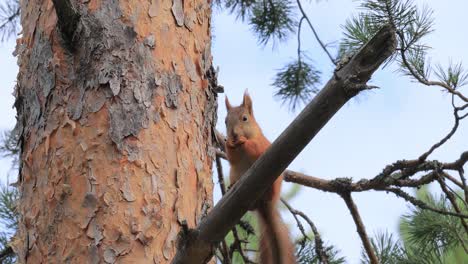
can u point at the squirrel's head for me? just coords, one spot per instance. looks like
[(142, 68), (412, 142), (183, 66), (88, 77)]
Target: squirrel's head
[(240, 121)]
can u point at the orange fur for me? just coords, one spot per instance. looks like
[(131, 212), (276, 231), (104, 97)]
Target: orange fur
[(244, 145)]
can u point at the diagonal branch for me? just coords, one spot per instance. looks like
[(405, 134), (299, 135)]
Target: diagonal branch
[(360, 227), (346, 82)]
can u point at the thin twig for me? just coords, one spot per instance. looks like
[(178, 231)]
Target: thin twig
[(225, 252), (299, 27), (421, 204), (360, 227), (457, 195), (237, 245), (462, 177), (453, 201), (424, 156), (10, 19), (453, 179), (219, 168), (319, 249), (315, 32)]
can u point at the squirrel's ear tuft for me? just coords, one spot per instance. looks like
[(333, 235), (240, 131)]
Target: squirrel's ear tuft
[(247, 102), (228, 105)]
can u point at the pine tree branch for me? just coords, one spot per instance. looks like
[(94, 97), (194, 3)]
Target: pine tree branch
[(360, 226), (378, 182), (337, 185), (347, 82), (68, 18), (420, 78)]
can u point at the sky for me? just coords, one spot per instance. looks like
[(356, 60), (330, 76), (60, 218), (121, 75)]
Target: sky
[(401, 120)]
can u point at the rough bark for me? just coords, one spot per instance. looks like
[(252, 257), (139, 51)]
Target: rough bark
[(116, 133), (349, 79)]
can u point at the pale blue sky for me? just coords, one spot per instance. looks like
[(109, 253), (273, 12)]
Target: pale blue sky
[(401, 120)]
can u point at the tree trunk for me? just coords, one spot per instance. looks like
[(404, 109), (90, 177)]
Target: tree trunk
[(115, 119)]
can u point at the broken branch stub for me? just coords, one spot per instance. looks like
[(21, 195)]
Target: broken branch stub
[(347, 81)]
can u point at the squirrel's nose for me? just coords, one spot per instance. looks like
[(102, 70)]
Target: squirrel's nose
[(235, 136)]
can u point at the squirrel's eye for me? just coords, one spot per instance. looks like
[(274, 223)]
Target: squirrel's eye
[(244, 118)]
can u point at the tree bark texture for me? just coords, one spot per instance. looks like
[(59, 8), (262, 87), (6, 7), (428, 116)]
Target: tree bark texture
[(115, 127)]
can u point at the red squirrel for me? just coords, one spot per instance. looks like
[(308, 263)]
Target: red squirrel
[(245, 143)]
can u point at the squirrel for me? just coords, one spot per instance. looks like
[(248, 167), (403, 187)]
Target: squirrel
[(245, 143)]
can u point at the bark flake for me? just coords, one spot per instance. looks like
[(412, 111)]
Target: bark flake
[(178, 12)]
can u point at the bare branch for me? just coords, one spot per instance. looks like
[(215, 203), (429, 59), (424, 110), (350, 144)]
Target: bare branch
[(378, 182), (345, 84), (340, 184), (360, 227)]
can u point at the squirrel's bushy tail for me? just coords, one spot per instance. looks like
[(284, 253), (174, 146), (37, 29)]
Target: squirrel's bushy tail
[(275, 244)]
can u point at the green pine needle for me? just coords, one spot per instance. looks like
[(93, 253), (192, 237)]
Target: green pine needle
[(454, 76), (272, 19), (426, 233), (9, 19), (307, 254), (297, 83)]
